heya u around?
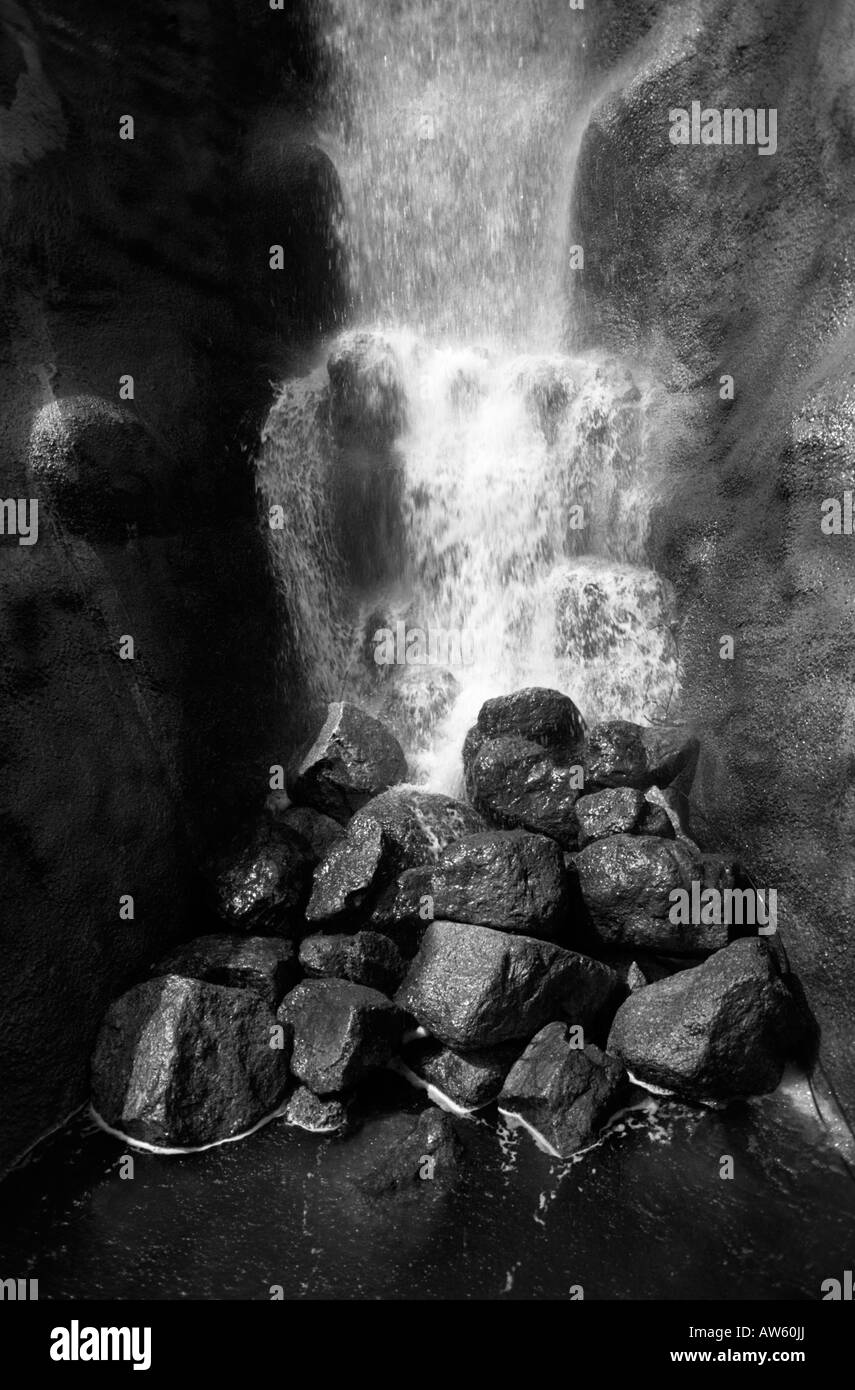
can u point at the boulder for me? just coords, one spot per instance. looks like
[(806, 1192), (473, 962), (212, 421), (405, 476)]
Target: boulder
[(317, 1114), (397, 830), (470, 1080), (510, 880), (319, 831), (366, 958), (341, 1032), (626, 882), (563, 1094), (724, 1028), (353, 758), (266, 964), (262, 884), (368, 402), (621, 754), (182, 1063), (472, 987), (620, 811), (517, 784), (404, 909), (540, 716)]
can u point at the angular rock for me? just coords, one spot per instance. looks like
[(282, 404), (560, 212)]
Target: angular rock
[(621, 754), (626, 882), (366, 958), (724, 1028), (397, 830), (353, 759), (469, 1079), (472, 987), (615, 811), (516, 784), (564, 1094), (636, 978), (319, 831), (404, 909), (407, 1155), (366, 389), (341, 1032), (266, 964), (510, 880), (319, 1115), (538, 715), (262, 885), (181, 1063)]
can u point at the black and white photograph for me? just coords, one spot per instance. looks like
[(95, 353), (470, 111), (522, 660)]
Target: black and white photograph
[(427, 672)]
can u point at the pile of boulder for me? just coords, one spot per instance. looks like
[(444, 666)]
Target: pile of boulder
[(514, 949)]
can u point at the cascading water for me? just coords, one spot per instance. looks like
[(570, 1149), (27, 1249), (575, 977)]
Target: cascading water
[(506, 512)]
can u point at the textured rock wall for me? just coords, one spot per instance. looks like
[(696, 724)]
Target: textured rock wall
[(708, 261), (146, 257)]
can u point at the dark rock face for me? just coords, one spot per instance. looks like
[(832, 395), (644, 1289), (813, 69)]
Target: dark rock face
[(722, 1029), (318, 1114), (621, 754), (408, 1156), (146, 259), (182, 1063), (397, 830), (263, 884), (472, 987), (537, 715), (265, 964), (517, 784), (367, 391), (404, 909), (469, 1079), (319, 831), (367, 958), (341, 1032), (564, 1093), (613, 812), (511, 881), (626, 882), (353, 758)]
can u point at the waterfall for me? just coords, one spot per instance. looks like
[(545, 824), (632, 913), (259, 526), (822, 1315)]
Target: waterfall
[(496, 534)]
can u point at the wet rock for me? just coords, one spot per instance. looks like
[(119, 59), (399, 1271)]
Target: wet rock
[(262, 885), (635, 977), (181, 1063), (655, 819), (266, 964), (469, 1079), (626, 882), (319, 831), (564, 1094), (366, 389), (353, 758), (398, 830), (616, 811), (538, 715), (407, 1155), (342, 1031), (472, 987), (721, 1029), (621, 754), (516, 784), (318, 1114), (510, 880), (404, 909), (366, 958)]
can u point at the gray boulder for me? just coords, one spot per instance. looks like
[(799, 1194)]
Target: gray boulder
[(470, 1080), (262, 884), (266, 964), (562, 1093), (724, 1028), (319, 831), (341, 1032), (181, 1063), (620, 754), (515, 783), (366, 958), (353, 758), (317, 1114), (539, 715), (510, 880), (472, 987)]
